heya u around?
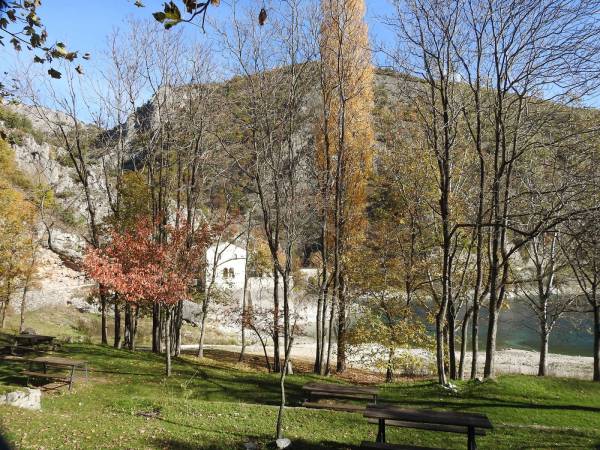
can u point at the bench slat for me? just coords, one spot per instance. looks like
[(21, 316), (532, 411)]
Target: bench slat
[(50, 376), (428, 416), (429, 426), (335, 406), (341, 395), (341, 388)]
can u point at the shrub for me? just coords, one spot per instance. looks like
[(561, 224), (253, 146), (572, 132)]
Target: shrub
[(15, 121)]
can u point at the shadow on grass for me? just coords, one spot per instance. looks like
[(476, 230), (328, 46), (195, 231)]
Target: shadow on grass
[(430, 397), (179, 444), (483, 402)]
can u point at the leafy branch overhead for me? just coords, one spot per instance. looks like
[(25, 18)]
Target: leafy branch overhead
[(171, 14), (21, 26)]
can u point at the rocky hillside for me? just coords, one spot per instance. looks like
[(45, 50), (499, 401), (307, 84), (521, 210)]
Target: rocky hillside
[(38, 156)]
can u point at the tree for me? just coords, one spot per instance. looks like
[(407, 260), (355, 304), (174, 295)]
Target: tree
[(582, 251), (344, 152), (18, 232), (497, 74), (428, 30), (542, 289), (17, 218), (384, 294), (141, 269)]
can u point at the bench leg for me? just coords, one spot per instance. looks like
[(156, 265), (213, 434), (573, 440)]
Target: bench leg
[(71, 378), (381, 431), (471, 439)]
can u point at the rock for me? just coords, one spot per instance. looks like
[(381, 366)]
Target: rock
[(192, 313), (283, 443), (251, 445), (27, 399)]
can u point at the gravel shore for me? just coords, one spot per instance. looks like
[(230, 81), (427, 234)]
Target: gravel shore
[(508, 361)]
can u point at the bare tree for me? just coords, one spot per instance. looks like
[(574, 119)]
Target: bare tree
[(542, 288)]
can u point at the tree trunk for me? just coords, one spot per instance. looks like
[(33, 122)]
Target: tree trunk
[(282, 402), (244, 311), (490, 348), (439, 341), (167, 334), (463, 343), (134, 327), (4, 308), (330, 339), (156, 328), (323, 334), (23, 306), (245, 292), (104, 333), (128, 325), (597, 341), (389, 373), (475, 340), (319, 348), (544, 337), (176, 323), (203, 327), (342, 326), (452, 341), (117, 340), (276, 358)]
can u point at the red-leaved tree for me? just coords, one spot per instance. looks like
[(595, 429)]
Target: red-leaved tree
[(140, 268)]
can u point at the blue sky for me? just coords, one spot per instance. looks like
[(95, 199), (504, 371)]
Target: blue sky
[(85, 25), (85, 28)]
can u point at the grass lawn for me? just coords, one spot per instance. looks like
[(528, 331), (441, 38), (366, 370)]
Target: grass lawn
[(217, 404)]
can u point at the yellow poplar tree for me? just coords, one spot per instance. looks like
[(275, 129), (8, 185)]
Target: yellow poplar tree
[(17, 217), (345, 142)]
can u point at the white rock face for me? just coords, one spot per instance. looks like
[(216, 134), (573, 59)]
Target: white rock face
[(27, 399), (57, 285), (38, 115)]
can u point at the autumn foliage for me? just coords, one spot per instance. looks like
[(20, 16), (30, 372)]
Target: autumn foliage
[(140, 268)]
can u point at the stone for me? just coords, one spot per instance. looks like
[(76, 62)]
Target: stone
[(283, 443), (251, 445), (27, 399)]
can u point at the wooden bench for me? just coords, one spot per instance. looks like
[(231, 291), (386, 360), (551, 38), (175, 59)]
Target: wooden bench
[(50, 376), (56, 363), (429, 426), (320, 394), (445, 421), (384, 446)]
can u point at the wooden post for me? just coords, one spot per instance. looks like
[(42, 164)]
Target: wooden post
[(381, 431), (71, 379), (471, 439)]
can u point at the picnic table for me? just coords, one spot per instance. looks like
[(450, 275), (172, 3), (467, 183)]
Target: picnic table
[(26, 342), (470, 424), (31, 340), (323, 391), (56, 363)]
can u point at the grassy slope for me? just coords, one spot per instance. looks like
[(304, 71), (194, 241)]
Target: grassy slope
[(216, 405)]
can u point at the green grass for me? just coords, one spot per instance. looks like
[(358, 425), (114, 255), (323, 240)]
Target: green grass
[(216, 404)]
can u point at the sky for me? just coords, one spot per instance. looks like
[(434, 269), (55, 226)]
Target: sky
[(85, 25)]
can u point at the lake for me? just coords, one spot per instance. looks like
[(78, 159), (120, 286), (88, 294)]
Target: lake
[(518, 328)]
